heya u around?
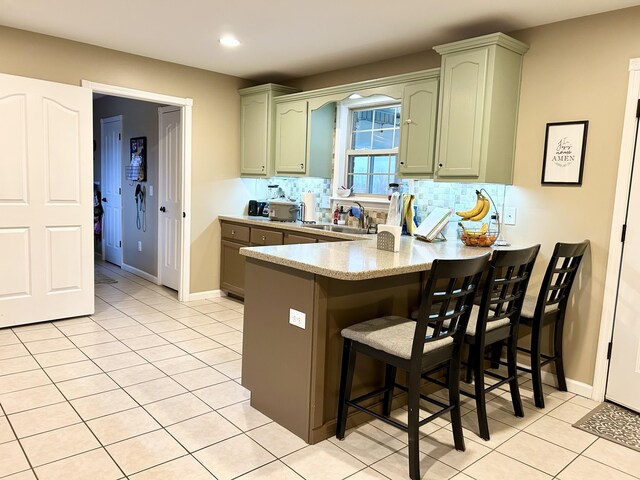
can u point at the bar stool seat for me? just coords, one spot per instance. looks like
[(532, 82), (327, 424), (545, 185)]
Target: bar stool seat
[(392, 334)]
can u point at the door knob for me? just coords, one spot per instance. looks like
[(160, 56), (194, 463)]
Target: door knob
[(104, 199), (162, 209)]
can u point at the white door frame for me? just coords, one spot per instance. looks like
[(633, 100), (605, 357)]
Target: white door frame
[(186, 104), (618, 218), (102, 121)]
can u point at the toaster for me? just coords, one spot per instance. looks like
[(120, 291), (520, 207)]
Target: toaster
[(283, 210)]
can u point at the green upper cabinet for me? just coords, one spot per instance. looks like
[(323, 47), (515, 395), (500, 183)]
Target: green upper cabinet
[(478, 111), (418, 128), (291, 137), (304, 138), (257, 115)]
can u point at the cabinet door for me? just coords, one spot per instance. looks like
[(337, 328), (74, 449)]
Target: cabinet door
[(464, 77), (232, 268), (254, 145), (418, 128), (291, 137), (293, 239)]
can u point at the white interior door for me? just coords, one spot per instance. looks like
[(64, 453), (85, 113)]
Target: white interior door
[(623, 384), (170, 196), (111, 184), (46, 201)]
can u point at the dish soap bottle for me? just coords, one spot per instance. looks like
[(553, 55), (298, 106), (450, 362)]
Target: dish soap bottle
[(336, 214)]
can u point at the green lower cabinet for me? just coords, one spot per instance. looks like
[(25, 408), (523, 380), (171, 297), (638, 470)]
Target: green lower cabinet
[(418, 128)]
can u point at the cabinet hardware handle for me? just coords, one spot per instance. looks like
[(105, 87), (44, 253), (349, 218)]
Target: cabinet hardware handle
[(262, 167), (408, 121), (440, 165), (233, 232), (401, 163), (264, 238)]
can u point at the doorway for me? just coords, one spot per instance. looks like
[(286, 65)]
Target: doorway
[(617, 372), (111, 188), (183, 157)]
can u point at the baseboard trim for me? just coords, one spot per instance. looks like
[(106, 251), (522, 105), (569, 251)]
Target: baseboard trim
[(573, 386), (140, 273), (205, 295)]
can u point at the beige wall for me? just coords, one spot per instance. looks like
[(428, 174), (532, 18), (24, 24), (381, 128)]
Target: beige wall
[(574, 70), (216, 188)]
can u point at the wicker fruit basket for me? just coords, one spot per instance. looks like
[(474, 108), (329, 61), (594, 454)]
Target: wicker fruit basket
[(477, 235)]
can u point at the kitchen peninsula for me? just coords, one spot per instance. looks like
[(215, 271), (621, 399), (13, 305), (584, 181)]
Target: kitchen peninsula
[(297, 300)]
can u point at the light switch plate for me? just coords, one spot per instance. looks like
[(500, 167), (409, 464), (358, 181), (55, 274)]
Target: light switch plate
[(510, 215), (297, 318)]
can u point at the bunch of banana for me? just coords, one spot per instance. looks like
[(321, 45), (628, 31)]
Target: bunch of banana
[(479, 210), (475, 233)]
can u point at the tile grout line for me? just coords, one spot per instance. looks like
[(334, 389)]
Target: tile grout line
[(19, 444)]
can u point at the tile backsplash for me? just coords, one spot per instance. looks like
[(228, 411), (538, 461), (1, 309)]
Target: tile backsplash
[(429, 194)]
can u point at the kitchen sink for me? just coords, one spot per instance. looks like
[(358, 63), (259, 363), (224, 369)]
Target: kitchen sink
[(338, 228)]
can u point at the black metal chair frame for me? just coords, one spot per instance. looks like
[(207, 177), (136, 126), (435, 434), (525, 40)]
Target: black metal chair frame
[(453, 305), (503, 294), (554, 291)]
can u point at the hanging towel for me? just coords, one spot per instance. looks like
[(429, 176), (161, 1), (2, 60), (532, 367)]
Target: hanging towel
[(408, 213), (394, 217)]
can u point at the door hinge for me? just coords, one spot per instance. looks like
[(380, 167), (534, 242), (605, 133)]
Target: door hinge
[(609, 350), (120, 243), (119, 191), (119, 136), (184, 214), (638, 109), (624, 232)]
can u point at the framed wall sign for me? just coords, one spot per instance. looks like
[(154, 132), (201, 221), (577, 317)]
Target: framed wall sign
[(564, 148), (137, 168)]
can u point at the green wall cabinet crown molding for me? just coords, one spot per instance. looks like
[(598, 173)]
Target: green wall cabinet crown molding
[(478, 109), (257, 121)]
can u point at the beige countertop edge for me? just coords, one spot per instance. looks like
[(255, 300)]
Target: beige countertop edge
[(361, 260), (254, 252), (291, 226)]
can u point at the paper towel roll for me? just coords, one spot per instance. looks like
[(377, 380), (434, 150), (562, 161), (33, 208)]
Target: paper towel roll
[(310, 200)]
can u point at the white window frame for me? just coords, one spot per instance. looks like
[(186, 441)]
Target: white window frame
[(343, 130)]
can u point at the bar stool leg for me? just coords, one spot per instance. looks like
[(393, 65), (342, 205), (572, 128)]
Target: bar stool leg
[(557, 353), (412, 423), (346, 380), (496, 353), (470, 357), (481, 406), (536, 374), (454, 399), (389, 382), (512, 369)]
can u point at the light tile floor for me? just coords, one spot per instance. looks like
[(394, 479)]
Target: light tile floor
[(149, 388)]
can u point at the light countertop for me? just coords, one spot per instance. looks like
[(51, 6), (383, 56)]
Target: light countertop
[(360, 259)]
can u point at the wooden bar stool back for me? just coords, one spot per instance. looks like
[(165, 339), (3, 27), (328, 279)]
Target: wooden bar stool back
[(495, 322), (549, 308), (432, 342)]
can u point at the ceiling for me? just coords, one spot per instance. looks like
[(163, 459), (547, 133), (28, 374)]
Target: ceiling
[(284, 38)]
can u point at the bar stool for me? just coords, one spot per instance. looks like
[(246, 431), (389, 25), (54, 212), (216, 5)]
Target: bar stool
[(417, 347), (549, 308), (495, 322)]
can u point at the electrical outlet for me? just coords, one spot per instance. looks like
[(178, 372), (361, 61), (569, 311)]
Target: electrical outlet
[(297, 318), (510, 215), (139, 246)]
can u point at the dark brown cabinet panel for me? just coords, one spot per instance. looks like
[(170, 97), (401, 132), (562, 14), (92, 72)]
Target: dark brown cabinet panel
[(261, 237), (232, 268), (292, 238)]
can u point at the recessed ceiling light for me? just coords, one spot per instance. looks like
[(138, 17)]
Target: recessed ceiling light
[(229, 41)]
